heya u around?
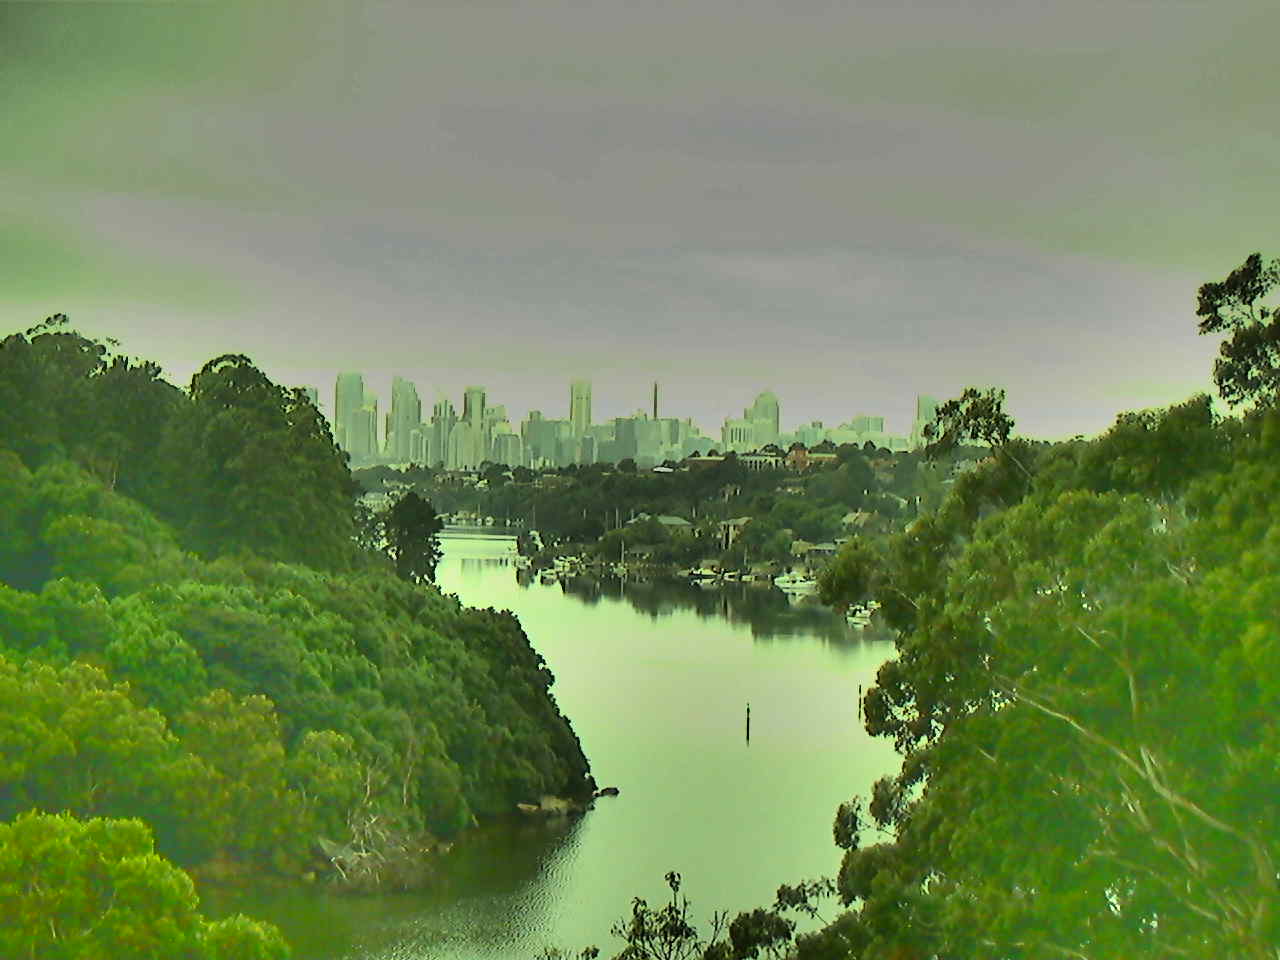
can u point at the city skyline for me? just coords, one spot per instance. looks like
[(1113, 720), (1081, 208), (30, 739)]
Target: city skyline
[(849, 204), (485, 432)]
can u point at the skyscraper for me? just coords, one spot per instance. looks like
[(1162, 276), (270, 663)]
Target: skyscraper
[(473, 406), (348, 397), (362, 431), (926, 410), (470, 446), (406, 415), (580, 406), (764, 416), (443, 419)]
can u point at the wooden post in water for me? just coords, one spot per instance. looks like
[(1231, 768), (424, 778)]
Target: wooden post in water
[(859, 701), (748, 723)]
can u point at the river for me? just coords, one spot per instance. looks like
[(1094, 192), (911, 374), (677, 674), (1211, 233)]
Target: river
[(656, 679)]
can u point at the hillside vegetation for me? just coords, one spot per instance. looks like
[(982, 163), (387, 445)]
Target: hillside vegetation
[(190, 636)]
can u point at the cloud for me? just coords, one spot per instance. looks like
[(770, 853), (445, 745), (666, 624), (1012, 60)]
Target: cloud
[(860, 201)]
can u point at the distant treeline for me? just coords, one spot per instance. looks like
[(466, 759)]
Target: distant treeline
[(592, 504)]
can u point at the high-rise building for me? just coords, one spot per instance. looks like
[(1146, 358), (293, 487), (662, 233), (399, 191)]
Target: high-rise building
[(348, 397), (926, 410), (580, 406), (460, 454), (473, 406), (508, 449), (443, 419), (764, 417), (405, 416), (362, 431)]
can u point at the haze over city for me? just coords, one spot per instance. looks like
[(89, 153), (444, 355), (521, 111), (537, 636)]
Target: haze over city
[(816, 199)]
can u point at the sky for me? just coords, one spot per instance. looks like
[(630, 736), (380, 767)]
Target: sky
[(847, 203)]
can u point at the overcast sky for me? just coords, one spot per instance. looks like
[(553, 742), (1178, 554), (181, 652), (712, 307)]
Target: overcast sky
[(847, 203)]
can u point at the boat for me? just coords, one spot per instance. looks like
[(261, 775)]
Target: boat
[(859, 615), (795, 583), (702, 573)]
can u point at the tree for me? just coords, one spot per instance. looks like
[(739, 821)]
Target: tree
[(254, 467), (974, 415), (82, 890), (413, 542), (626, 465), (1248, 366)]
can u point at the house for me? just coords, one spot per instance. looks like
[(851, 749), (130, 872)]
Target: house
[(801, 459), (761, 461)]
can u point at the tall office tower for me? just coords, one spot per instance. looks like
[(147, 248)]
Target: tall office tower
[(580, 406), (764, 416), (508, 449), (460, 451), (406, 414), (473, 406), (362, 432), (443, 419), (348, 397), (476, 446), (926, 410)]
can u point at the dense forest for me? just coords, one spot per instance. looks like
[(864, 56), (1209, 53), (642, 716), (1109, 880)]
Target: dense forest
[(191, 637)]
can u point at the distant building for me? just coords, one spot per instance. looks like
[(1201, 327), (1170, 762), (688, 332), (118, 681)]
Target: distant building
[(443, 420), (811, 434), (926, 410), (348, 397), (758, 426), (580, 406), (404, 418), (508, 449), (765, 418), (806, 460), (762, 461), (362, 432)]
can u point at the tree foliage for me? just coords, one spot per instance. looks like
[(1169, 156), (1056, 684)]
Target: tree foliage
[(173, 668), (1248, 365), (412, 533), (84, 890)]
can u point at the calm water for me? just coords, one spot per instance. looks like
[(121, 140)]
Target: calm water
[(655, 679)]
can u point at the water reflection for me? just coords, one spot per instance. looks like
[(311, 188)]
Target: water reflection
[(770, 613)]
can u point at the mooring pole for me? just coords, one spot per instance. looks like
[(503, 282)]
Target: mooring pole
[(859, 701), (748, 723)]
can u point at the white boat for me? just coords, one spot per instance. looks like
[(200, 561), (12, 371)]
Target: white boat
[(702, 573), (859, 615), (795, 583)]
